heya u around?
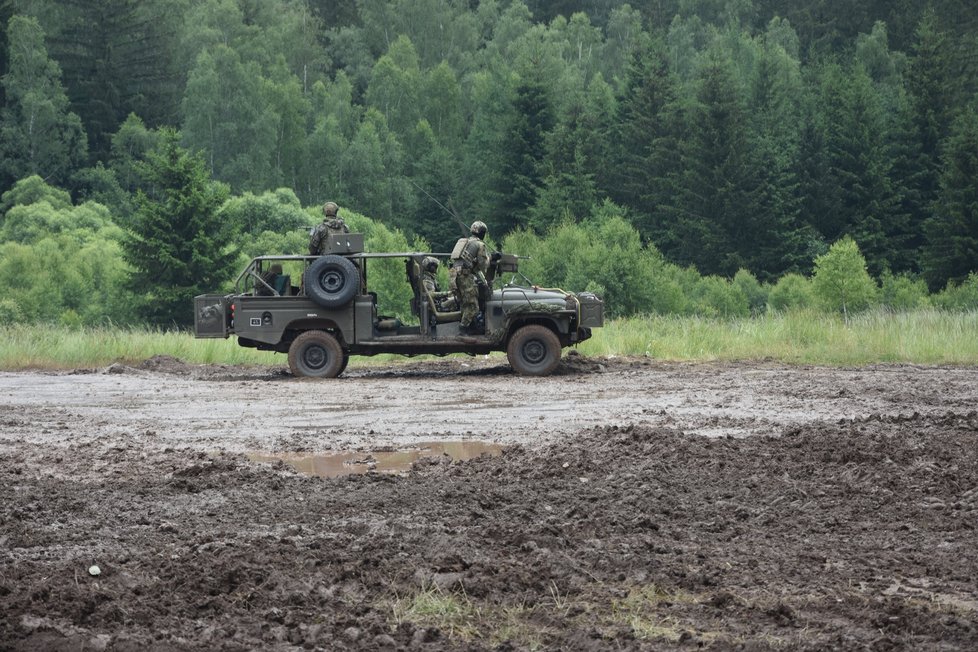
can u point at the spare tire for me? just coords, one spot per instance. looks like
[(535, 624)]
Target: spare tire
[(332, 281)]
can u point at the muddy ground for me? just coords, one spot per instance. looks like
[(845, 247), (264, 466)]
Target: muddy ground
[(635, 505)]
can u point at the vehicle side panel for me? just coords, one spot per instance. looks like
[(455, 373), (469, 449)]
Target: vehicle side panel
[(265, 319)]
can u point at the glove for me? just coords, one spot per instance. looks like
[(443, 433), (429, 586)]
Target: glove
[(496, 255)]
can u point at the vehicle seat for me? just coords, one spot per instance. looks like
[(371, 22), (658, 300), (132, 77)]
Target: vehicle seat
[(283, 284), (414, 279), (441, 317), (414, 276)]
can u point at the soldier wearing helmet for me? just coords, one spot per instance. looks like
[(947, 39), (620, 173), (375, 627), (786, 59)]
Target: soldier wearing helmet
[(470, 262), (444, 301), (332, 224)]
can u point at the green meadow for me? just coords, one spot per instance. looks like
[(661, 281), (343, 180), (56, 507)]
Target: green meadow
[(801, 337)]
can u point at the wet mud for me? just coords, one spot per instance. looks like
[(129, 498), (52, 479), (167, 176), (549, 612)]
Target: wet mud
[(630, 505)]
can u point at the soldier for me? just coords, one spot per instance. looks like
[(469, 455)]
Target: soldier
[(331, 225), (470, 262), (445, 301)]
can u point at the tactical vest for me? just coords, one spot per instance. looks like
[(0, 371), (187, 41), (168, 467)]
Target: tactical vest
[(466, 252)]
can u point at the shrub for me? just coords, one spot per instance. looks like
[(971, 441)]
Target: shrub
[(11, 311), (902, 293), (791, 292), (961, 297), (717, 297), (755, 292)]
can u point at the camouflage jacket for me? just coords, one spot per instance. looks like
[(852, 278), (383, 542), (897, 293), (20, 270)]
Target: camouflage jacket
[(472, 256), (322, 231)]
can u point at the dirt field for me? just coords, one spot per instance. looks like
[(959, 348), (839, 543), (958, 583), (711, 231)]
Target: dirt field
[(635, 505)]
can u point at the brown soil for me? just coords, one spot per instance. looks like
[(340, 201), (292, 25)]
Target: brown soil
[(637, 505)]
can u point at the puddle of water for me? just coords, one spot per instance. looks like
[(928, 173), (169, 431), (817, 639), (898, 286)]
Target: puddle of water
[(333, 465)]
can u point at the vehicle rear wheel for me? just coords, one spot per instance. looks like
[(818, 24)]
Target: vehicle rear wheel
[(331, 281), (316, 354), (533, 351)]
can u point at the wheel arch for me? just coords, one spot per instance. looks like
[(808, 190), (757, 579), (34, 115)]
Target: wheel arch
[(538, 320), (297, 327)]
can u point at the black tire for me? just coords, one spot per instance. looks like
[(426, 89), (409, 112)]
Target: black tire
[(316, 354), (332, 281), (346, 361), (533, 351)]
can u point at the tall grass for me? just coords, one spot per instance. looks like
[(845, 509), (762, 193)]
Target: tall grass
[(803, 337), (923, 337), (52, 347)]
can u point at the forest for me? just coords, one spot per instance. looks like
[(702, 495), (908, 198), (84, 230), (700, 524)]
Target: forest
[(717, 157)]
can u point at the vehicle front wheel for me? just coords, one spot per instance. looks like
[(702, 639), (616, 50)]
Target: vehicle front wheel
[(316, 354), (533, 351)]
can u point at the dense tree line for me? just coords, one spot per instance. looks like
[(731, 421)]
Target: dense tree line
[(732, 136)]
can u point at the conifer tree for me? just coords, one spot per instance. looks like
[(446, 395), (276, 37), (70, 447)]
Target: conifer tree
[(646, 136), (524, 152), (177, 247), (951, 250), (716, 224)]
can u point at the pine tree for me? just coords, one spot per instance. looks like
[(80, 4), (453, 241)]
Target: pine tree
[(775, 136), (951, 250), (716, 226), (930, 83), (523, 171), (646, 136), (177, 247), (853, 192)]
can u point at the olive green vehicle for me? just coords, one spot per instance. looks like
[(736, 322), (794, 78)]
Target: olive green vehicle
[(320, 311)]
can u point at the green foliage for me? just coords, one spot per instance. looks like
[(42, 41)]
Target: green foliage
[(603, 255), (792, 292), (31, 190), (732, 135), (74, 276), (951, 250), (959, 296), (388, 277), (28, 224), (755, 293), (902, 292), (276, 211), (177, 246), (714, 296), (38, 134), (841, 282)]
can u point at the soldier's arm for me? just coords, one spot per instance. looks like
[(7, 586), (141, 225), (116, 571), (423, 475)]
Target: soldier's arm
[(314, 240)]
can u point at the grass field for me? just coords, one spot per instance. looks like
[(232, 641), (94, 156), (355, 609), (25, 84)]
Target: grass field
[(923, 337)]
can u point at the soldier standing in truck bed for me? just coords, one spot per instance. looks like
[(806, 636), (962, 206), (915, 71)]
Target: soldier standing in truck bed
[(332, 224), (470, 262)]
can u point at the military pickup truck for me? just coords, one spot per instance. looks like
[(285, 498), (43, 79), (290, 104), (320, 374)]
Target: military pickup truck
[(320, 310)]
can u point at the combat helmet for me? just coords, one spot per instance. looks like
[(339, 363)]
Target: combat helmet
[(330, 209), (429, 264), (479, 229)]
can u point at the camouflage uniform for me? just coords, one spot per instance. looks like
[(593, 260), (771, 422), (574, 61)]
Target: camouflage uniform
[(444, 301), (332, 224), (469, 270)]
